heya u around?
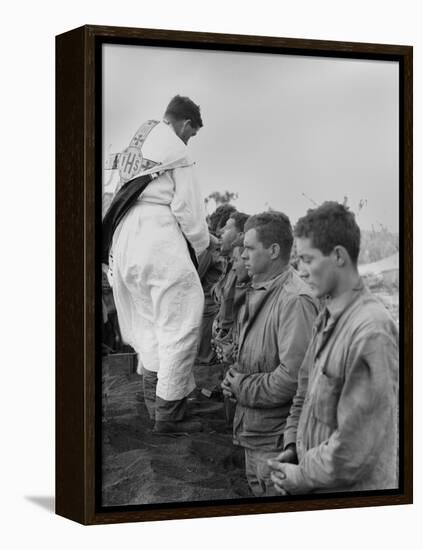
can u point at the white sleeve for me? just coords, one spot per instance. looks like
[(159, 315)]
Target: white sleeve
[(188, 207)]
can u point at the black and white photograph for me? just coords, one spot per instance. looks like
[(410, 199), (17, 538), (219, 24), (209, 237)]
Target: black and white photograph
[(250, 272), (210, 236)]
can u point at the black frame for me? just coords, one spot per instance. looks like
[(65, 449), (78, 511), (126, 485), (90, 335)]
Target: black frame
[(78, 223)]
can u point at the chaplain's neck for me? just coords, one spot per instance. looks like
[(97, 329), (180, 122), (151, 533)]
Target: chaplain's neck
[(170, 121)]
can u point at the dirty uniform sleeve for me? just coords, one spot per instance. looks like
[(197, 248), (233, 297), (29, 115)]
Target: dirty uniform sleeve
[(188, 207), (362, 411), (290, 433), (267, 390)]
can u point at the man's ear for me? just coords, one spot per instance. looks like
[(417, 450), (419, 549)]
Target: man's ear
[(341, 256), (275, 251)]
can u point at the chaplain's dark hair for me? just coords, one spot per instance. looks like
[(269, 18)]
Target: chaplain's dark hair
[(239, 218), (272, 227), (331, 224), (220, 216), (183, 108)]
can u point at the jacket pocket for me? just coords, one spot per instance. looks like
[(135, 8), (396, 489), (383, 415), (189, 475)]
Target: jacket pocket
[(326, 398)]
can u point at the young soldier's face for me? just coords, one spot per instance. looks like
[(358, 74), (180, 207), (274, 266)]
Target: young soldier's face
[(229, 234), (257, 258), (318, 270), (239, 266)]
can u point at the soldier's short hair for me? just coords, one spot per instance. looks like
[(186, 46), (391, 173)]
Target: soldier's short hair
[(220, 216), (273, 227), (239, 218), (331, 224)]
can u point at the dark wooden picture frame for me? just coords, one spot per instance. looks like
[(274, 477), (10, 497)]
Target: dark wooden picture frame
[(78, 155)]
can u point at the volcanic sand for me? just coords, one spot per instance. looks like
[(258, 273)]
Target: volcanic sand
[(139, 467)]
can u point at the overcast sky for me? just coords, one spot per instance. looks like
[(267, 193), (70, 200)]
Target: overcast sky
[(281, 131)]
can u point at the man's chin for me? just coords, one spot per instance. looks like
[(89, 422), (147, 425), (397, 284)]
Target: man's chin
[(317, 293)]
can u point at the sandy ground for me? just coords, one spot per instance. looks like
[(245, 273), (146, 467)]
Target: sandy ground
[(140, 467)]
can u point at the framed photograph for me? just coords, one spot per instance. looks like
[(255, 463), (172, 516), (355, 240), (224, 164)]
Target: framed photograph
[(234, 274)]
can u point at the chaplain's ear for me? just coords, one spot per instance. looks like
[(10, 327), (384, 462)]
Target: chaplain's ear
[(341, 256)]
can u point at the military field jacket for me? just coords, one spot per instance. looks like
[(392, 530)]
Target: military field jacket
[(275, 324), (344, 415)]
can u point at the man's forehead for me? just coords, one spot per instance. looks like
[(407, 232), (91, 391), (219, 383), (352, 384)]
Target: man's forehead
[(250, 236), (304, 245)]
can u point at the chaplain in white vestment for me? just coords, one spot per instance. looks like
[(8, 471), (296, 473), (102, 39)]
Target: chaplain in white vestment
[(158, 294)]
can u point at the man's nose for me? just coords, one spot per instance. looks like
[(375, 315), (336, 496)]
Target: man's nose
[(303, 271)]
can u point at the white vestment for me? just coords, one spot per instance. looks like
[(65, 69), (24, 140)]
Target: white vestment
[(158, 294)]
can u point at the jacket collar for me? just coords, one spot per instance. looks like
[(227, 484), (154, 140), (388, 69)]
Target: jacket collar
[(275, 281), (335, 307)]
